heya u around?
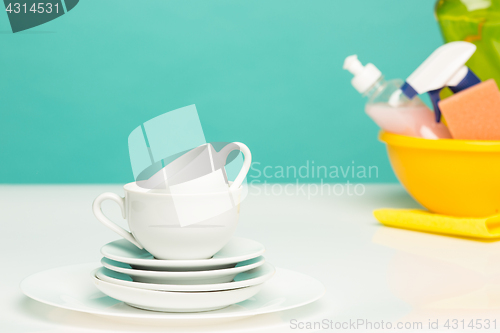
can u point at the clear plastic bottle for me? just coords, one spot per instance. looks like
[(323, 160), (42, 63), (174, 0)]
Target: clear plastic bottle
[(403, 116)]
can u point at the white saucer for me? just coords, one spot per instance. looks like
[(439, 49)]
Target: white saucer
[(189, 277), (70, 288), (249, 278), (236, 250), (173, 301)]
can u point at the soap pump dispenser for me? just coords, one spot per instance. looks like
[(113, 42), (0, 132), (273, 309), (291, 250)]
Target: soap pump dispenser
[(402, 116)]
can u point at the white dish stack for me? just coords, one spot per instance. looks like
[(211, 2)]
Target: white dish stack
[(234, 274)]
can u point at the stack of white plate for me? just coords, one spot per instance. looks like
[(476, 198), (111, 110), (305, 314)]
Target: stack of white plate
[(234, 274)]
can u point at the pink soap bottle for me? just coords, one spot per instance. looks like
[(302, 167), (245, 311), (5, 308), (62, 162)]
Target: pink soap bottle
[(402, 116)]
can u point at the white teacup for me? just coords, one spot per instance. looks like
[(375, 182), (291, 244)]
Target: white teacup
[(155, 220), (199, 170)]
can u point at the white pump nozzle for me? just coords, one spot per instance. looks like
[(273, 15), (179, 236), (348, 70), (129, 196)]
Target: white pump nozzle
[(353, 65), (364, 76)]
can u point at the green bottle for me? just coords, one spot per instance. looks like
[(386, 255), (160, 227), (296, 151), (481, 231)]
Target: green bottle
[(478, 22)]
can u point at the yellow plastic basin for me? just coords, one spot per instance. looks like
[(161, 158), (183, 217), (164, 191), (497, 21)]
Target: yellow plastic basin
[(452, 177)]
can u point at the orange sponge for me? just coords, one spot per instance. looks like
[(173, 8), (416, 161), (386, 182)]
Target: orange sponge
[(474, 113)]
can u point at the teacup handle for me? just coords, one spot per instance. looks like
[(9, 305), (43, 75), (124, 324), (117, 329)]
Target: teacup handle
[(96, 207), (246, 165)]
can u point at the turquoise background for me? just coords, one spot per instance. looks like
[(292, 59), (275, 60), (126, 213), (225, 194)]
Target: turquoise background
[(266, 73)]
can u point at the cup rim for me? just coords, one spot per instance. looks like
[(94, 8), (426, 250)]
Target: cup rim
[(134, 188), (392, 139)]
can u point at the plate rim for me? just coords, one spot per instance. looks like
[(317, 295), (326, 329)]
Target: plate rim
[(158, 263), (187, 274), (195, 287), (172, 316), (144, 293), (147, 291)]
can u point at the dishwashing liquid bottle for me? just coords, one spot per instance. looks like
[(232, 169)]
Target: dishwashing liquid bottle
[(477, 22), (401, 116)]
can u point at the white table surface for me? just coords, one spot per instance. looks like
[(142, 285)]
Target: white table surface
[(371, 272)]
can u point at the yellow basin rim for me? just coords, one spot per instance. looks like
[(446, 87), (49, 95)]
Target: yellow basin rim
[(440, 144)]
